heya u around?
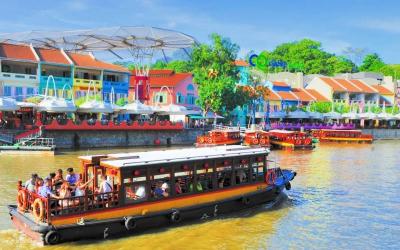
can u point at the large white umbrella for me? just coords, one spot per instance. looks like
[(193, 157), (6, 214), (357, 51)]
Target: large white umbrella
[(173, 109), (26, 105), (351, 115), (277, 114), (94, 106), (315, 115), (56, 105), (332, 115), (8, 104), (137, 108)]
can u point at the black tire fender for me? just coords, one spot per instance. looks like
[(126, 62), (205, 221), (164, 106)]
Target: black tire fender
[(176, 216), (130, 223), (288, 186), (245, 200), (52, 238)]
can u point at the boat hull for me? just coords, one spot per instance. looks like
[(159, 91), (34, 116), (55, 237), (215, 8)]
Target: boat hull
[(286, 145), (102, 229)]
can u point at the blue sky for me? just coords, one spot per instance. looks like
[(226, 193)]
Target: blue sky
[(254, 25)]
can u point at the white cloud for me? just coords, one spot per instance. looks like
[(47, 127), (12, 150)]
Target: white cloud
[(388, 25)]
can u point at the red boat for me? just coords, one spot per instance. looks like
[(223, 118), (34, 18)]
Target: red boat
[(290, 139), (342, 135), (219, 137), (256, 138)]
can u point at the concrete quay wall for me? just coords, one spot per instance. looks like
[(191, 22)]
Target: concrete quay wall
[(383, 133), (99, 139)]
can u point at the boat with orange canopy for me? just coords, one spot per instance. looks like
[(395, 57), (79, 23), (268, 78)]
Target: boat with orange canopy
[(290, 139), (336, 135), (219, 137), (256, 138)]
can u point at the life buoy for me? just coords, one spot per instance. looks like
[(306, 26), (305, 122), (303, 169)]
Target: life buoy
[(307, 141), (209, 140), (175, 216), (201, 140), (262, 141), (298, 142), (130, 223), (22, 200), (38, 209), (270, 177), (255, 141), (52, 238)]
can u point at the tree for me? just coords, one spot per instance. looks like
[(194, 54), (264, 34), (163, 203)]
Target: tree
[(307, 56), (216, 75), (372, 63)]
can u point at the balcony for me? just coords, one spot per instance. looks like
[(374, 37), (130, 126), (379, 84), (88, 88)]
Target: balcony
[(119, 87), (17, 77), (60, 82), (78, 82)]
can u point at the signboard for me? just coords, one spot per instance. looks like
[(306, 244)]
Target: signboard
[(261, 62)]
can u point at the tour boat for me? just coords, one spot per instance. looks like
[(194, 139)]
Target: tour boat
[(341, 135), (290, 139), (150, 190), (219, 137), (256, 138)]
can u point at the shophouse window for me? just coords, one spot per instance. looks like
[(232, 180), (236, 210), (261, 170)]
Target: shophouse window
[(18, 93), (7, 90), (190, 99), (180, 98)]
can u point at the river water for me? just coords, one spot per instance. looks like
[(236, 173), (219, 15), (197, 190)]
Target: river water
[(344, 196)]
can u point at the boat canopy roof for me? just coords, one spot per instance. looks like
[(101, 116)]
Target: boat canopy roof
[(8, 104), (123, 160), (340, 130), (282, 131)]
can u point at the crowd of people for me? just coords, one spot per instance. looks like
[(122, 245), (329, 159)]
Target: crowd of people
[(66, 189)]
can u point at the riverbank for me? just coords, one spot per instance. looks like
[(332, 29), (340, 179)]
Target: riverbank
[(383, 134), (102, 139)]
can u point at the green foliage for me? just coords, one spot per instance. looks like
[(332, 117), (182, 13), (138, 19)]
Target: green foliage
[(321, 107), (372, 63), (312, 58), (216, 75), (376, 109), (393, 110), (34, 99), (177, 65), (79, 101), (121, 101)]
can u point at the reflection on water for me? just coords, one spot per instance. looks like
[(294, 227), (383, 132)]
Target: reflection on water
[(345, 195)]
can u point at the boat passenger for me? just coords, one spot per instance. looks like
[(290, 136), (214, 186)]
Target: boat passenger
[(38, 184), (65, 193), (105, 187), (30, 184), (71, 177), (199, 187), (45, 189), (81, 187), (221, 181), (159, 192), (140, 192), (58, 179), (178, 188)]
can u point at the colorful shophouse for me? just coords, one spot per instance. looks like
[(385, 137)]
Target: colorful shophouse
[(19, 71), (168, 87), (105, 77)]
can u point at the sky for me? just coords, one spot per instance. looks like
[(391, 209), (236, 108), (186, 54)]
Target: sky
[(372, 25)]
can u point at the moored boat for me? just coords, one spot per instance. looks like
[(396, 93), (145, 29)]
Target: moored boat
[(334, 135), (219, 137), (256, 138), (152, 189), (290, 139)]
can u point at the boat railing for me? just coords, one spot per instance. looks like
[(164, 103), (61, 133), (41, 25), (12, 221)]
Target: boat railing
[(42, 142), (79, 204)]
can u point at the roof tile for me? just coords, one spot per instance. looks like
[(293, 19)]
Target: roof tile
[(365, 87), (349, 86), (317, 95), (382, 90), (51, 56), (87, 61), (303, 95), (287, 95), (280, 84), (334, 85)]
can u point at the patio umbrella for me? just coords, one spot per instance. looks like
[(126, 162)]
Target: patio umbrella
[(94, 106), (137, 108), (56, 105), (299, 114)]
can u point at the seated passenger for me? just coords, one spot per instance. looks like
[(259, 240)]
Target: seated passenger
[(71, 177), (81, 187), (159, 192), (240, 176), (221, 182), (30, 184), (65, 193), (58, 179), (105, 187), (199, 187), (140, 192), (178, 188), (45, 189)]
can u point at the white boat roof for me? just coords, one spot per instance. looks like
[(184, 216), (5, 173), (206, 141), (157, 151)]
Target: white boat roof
[(340, 130), (282, 131), (176, 155)]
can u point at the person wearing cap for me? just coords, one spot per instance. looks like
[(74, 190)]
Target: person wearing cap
[(159, 191), (71, 177), (30, 184)]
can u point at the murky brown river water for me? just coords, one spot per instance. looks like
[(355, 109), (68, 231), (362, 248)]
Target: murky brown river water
[(344, 196)]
